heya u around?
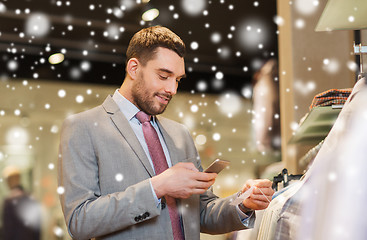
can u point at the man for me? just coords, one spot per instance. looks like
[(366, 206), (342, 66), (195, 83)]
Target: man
[(21, 213), (114, 187)]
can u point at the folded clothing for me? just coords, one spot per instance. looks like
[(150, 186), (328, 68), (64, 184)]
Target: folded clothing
[(331, 97)]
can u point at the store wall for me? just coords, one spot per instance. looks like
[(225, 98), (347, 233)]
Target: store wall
[(309, 63)]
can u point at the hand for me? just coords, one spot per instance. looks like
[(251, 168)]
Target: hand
[(257, 200), (181, 181)]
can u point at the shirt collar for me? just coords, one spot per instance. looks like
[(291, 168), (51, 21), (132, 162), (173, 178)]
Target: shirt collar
[(126, 107)]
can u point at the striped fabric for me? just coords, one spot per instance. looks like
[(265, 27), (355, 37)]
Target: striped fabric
[(289, 218), (331, 97)]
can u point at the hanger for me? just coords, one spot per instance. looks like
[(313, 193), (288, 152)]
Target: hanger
[(285, 178)]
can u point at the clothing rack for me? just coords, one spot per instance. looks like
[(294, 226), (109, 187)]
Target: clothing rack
[(285, 178)]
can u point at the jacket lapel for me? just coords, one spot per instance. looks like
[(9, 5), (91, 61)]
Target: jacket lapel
[(126, 131)]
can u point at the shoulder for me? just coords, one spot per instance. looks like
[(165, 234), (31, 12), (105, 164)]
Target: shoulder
[(91, 115), (84, 116), (81, 124)]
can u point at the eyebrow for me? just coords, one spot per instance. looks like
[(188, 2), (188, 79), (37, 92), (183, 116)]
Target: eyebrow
[(170, 72)]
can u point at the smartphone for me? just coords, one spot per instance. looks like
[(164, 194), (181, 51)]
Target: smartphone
[(217, 166)]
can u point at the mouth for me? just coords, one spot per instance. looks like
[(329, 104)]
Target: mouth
[(164, 99)]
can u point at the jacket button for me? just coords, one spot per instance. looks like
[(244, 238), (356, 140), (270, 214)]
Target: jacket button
[(136, 219), (163, 205), (146, 214)]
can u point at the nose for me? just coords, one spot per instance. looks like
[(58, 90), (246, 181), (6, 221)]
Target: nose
[(171, 87)]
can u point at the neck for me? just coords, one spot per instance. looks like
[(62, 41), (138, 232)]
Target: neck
[(125, 89)]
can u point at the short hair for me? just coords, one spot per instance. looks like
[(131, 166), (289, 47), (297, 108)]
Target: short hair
[(12, 175), (144, 43), (11, 171)]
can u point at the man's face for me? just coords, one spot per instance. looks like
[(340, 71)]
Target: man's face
[(157, 81)]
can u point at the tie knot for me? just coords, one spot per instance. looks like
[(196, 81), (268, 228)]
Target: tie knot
[(143, 117)]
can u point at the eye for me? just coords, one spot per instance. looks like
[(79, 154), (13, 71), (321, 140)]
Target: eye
[(162, 77)]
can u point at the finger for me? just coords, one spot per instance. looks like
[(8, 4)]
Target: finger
[(257, 183), (260, 197), (255, 204), (266, 191), (203, 185), (249, 183), (263, 183), (201, 176)]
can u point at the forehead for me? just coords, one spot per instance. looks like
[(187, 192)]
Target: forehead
[(168, 59)]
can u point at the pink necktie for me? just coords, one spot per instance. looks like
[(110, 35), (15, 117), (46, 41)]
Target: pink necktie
[(160, 165)]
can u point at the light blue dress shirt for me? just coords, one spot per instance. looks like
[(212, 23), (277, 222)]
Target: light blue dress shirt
[(130, 110)]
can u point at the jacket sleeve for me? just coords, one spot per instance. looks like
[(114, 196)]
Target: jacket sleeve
[(217, 216), (87, 212)]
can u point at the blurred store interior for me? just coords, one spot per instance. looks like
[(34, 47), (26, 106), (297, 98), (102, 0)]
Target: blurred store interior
[(228, 42)]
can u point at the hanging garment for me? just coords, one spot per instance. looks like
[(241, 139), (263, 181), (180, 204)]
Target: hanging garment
[(331, 97), (290, 215), (334, 194), (289, 218), (272, 212)]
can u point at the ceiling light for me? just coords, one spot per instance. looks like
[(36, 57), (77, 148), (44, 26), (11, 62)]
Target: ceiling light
[(56, 58), (150, 15)]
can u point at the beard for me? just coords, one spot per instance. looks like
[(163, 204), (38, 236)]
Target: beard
[(146, 100)]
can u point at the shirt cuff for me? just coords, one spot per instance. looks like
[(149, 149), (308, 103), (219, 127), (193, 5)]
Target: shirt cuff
[(157, 201), (245, 217)]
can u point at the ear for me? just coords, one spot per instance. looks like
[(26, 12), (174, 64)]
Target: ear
[(132, 67)]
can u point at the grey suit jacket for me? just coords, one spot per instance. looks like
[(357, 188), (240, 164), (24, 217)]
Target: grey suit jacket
[(98, 144)]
